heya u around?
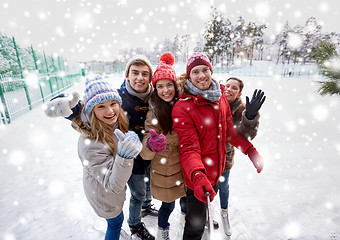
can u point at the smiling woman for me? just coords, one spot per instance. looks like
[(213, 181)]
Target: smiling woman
[(107, 112)]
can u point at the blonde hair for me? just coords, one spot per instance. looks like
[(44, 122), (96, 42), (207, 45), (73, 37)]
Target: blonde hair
[(103, 132)]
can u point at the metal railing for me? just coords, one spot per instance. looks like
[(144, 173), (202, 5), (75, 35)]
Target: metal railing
[(18, 96)]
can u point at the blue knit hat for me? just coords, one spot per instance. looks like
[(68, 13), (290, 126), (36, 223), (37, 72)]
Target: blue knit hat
[(98, 91)]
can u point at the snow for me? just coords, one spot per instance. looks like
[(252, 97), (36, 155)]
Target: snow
[(296, 196)]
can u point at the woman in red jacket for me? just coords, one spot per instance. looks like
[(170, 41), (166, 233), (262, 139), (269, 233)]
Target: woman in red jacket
[(203, 122)]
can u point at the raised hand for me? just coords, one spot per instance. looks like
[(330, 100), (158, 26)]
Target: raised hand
[(255, 104), (157, 143), (129, 145), (62, 105)]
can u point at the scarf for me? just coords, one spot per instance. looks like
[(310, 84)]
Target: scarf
[(213, 94), (143, 96)]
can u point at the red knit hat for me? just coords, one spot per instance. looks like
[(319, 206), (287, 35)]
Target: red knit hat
[(196, 59), (164, 70)]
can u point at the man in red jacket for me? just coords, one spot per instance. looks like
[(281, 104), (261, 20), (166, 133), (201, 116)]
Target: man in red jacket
[(203, 122)]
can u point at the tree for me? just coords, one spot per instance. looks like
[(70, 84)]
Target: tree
[(214, 32), (328, 61), (311, 33), (254, 37), (238, 36), (282, 40)]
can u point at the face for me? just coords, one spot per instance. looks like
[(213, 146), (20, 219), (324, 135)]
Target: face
[(107, 112), (200, 77), (232, 90), (165, 89), (139, 77)]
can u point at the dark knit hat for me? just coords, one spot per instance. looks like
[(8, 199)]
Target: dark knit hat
[(98, 91), (164, 70), (140, 58), (196, 59)]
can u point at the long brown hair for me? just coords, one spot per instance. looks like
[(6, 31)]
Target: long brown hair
[(103, 132), (238, 80), (163, 110)]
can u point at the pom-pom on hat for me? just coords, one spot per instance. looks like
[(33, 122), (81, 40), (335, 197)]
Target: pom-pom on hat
[(98, 91), (164, 70), (196, 59)]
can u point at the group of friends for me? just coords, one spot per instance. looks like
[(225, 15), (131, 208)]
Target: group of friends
[(178, 132)]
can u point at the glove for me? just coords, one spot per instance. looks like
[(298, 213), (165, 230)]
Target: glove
[(63, 106), (156, 143), (201, 186), (129, 145), (256, 158), (255, 104)]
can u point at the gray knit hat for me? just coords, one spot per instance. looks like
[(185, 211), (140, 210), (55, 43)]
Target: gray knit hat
[(138, 57), (98, 91)]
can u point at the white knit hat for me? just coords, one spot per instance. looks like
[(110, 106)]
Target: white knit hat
[(98, 91)]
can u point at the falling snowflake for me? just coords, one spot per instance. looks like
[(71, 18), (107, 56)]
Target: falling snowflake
[(154, 121), (56, 188), (292, 230), (163, 160), (17, 157), (209, 161), (320, 113), (294, 41)]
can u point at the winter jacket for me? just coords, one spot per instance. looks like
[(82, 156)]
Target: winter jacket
[(203, 127), (167, 182), (136, 110), (104, 175), (245, 127)]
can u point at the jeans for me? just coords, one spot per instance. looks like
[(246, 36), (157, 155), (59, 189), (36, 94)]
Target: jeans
[(147, 201), (223, 187), (164, 213), (114, 226), (137, 188), (196, 217)]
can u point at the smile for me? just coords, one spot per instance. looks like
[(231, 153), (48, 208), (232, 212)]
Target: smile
[(111, 117)]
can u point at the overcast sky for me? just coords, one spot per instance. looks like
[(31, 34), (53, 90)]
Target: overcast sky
[(84, 30)]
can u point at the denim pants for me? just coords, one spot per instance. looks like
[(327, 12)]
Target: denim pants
[(147, 201), (136, 184), (164, 213), (114, 226), (223, 187)]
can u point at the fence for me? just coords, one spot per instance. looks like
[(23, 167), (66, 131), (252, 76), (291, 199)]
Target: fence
[(18, 96), (37, 79)]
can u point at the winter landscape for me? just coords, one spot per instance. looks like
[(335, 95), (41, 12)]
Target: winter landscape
[(295, 197), (270, 45)]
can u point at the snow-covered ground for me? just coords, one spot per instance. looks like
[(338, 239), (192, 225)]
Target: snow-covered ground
[(295, 197)]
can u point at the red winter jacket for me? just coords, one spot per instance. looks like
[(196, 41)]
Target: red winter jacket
[(203, 128)]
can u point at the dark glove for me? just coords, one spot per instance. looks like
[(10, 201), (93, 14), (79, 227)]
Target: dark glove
[(256, 158), (255, 104), (157, 143), (201, 186), (67, 106)]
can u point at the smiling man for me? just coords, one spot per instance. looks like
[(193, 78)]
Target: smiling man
[(203, 122), (135, 92)]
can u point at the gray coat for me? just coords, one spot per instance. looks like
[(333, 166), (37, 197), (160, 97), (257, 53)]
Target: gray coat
[(104, 175)]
